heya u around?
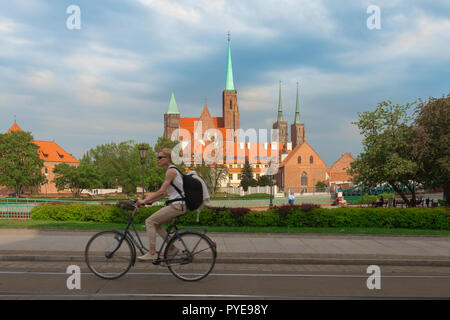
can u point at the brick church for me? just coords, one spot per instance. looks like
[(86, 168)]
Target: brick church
[(300, 166)]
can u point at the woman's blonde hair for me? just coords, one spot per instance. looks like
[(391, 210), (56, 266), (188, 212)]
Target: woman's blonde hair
[(167, 152)]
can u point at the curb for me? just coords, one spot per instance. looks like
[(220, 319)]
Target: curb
[(292, 261)]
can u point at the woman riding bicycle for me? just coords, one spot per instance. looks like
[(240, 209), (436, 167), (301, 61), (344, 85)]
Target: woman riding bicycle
[(154, 223)]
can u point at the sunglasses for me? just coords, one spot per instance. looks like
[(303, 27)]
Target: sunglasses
[(160, 157)]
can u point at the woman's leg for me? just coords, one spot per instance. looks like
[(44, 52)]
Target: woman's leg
[(155, 221)]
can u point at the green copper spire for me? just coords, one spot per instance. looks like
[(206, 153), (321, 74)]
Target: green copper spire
[(297, 109), (280, 107), (173, 108), (229, 84)]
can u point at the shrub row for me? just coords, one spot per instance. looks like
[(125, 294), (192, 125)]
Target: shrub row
[(285, 216)]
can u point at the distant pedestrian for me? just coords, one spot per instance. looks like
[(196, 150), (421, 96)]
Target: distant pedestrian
[(381, 201), (291, 199), (428, 202)]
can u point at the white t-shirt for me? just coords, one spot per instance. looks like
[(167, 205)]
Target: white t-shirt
[(172, 192)]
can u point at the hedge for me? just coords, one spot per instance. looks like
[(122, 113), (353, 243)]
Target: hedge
[(285, 216)]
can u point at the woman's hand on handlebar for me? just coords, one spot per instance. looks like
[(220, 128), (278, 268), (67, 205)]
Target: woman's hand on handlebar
[(140, 203)]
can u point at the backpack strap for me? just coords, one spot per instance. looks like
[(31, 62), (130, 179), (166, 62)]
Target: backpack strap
[(176, 188)]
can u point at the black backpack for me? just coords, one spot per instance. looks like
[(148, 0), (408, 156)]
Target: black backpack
[(193, 191)]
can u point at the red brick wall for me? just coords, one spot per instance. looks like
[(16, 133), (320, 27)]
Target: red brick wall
[(338, 170), (293, 171), (50, 187)]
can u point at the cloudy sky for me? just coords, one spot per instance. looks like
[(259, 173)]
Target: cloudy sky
[(111, 80)]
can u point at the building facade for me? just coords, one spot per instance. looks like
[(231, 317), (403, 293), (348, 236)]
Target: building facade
[(300, 167), (52, 154)]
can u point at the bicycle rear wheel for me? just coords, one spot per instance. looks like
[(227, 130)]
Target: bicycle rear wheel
[(195, 258), (109, 257)]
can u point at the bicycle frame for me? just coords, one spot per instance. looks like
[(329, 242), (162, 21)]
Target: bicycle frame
[(127, 234), (172, 229)]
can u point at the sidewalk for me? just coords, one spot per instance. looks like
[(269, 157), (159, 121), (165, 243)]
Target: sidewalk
[(50, 245)]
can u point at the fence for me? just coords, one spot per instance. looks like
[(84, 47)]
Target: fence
[(20, 208)]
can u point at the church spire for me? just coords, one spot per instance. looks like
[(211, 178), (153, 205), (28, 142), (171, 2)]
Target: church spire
[(297, 109), (229, 85), (173, 108), (280, 106)]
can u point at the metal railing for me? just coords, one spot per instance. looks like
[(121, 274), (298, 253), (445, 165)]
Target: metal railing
[(20, 208)]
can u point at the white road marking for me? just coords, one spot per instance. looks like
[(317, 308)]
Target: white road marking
[(280, 275)]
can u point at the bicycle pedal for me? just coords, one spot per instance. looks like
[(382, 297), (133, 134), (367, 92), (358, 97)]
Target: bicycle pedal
[(156, 262)]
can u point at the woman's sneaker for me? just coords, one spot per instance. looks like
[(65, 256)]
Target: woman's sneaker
[(148, 257)]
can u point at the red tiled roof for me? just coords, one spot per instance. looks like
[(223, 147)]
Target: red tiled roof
[(14, 127), (50, 151)]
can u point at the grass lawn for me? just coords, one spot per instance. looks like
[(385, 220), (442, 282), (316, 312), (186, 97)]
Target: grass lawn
[(69, 225)]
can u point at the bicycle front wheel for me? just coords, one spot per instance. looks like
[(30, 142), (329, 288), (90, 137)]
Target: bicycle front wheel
[(109, 256), (195, 257)]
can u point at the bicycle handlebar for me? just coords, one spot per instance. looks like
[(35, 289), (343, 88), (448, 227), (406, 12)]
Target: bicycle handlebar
[(127, 205)]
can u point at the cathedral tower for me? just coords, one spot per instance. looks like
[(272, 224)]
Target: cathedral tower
[(281, 125), (297, 128), (229, 97), (171, 118)]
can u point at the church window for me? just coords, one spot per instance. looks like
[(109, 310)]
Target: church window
[(299, 159), (304, 179), (311, 159), (231, 104)]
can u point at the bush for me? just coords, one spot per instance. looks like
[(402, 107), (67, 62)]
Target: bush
[(290, 216)]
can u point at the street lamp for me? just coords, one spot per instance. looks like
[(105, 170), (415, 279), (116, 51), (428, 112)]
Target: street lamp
[(142, 154), (271, 184)]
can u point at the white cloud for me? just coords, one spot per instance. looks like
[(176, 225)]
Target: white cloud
[(419, 37), (97, 59), (173, 10), (41, 79), (252, 18)]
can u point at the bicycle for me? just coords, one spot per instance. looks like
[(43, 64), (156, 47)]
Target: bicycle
[(110, 254)]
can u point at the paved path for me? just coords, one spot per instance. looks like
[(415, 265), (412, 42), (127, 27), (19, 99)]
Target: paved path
[(52, 245)]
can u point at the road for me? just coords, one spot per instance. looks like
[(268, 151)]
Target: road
[(49, 280)]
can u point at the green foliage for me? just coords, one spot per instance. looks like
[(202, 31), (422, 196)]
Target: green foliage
[(120, 165), (85, 176), (213, 175), (431, 143), (321, 186), (387, 156), (263, 181), (295, 216), (20, 164), (370, 199), (247, 176)]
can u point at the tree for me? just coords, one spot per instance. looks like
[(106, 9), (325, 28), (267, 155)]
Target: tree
[(264, 181), (321, 186), (213, 175), (431, 143), (164, 142), (120, 165), (76, 179), (20, 164), (219, 173), (387, 156), (247, 179)]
